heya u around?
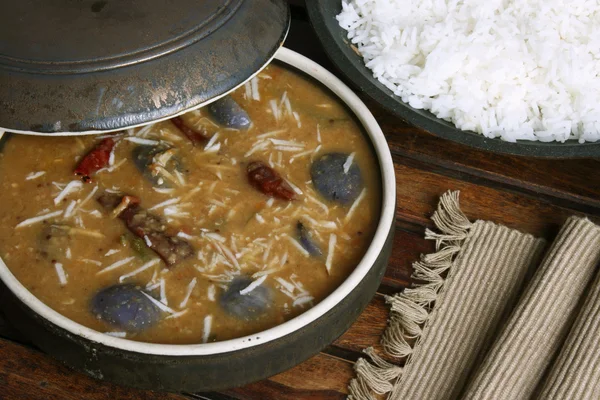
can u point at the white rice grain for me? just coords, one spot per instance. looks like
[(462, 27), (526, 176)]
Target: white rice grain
[(514, 69)]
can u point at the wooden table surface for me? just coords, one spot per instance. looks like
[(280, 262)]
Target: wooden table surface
[(533, 195)]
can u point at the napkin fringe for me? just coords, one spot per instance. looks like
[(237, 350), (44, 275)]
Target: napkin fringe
[(410, 309)]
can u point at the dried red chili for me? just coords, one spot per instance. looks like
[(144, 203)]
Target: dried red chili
[(268, 181), (147, 226), (96, 159), (195, 136)]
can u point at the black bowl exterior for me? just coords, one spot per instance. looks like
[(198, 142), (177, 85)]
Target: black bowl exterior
[(322, 15), (89, 66), (197, 373)]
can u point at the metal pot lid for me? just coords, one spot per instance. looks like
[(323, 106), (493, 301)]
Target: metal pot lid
[(85, 66)]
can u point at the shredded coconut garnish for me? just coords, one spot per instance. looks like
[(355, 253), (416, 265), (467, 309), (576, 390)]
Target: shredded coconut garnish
[(255, 92), (163, 190), (248, 90), (298, 246), (62, 276), (144, 267), (145, 130), (70, 208), (188, 293), (163, 292), (211, 292), (285, 284), (34, 175), (116, 265), (215, 236), (111, 252), (260, 146), (166, 203), (159, 304), (185, 235), (274, 109), (87, 260), (212, 141), (177, 314), (286, 143), (87, 198), (207, 328), (297, 118), (271, 133), (302, 300), (294, 187), (37, 219), (253, 285), (330, 252), (71, 186), (355, 205), (348, 163), (138, 140), (85, 232)]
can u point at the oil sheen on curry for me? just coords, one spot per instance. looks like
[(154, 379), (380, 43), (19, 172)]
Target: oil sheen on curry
[(217, 224)]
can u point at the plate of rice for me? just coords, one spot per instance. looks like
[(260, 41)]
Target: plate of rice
[(509, 76)]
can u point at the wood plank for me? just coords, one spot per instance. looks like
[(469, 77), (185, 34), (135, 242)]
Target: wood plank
[(408, 246), (320, 377), (576, 181), (321, 372), (366, 331), (418, 192), (29, 374), (269, 390)]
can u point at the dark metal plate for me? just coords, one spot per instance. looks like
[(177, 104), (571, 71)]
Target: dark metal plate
[(333, 38), (101, 65)]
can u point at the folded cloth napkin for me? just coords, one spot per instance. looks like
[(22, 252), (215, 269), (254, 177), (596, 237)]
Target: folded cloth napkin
[(576, 373), (486, 266), (528, 343), (461, 310)]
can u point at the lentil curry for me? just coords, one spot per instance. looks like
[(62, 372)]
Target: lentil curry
[(217, 224)]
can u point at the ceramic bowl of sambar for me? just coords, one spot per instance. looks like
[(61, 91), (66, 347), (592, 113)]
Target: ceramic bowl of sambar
[(199, 308)]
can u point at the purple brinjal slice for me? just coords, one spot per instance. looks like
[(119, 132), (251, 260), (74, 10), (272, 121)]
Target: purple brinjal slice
[(243, 303), (125, 307), (335, 180), (227, 112)]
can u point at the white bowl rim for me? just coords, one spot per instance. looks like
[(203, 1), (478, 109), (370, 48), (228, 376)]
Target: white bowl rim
[(386, 219)]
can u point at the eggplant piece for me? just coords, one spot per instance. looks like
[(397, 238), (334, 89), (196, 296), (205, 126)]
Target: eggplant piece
[(227, 112), (248, 306), (332, 182), (305, 239), (125, 307), (147, 160), (151, 228)]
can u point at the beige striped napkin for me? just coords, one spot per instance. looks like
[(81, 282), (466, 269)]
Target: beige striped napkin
[(522, 352), (576, 373), (464, 294)]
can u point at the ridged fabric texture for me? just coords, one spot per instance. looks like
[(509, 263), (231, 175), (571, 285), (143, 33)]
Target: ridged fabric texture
[(493, 314), (576, 373), (486, 280), (535, 332)]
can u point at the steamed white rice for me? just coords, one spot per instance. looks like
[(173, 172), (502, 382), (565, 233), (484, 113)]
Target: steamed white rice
[(515, 69)]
